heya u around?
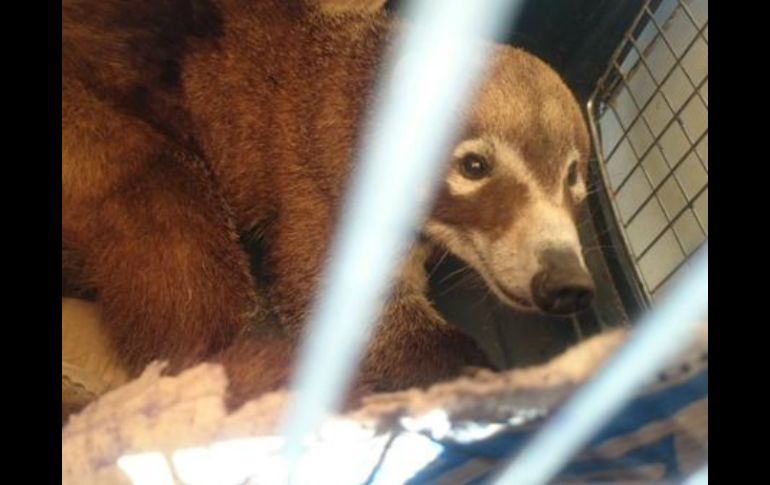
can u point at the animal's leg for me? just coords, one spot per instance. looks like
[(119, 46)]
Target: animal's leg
[(415, 347), (171, 277), (262, 361)]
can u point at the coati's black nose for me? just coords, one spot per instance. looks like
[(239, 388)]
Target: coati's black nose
[(562, 286)]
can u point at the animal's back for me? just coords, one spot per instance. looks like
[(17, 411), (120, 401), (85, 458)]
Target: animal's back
[(257, 88), (186, 124), (121, 96), (279, 100)]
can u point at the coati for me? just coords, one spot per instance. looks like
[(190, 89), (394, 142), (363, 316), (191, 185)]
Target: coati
[(189, 126)]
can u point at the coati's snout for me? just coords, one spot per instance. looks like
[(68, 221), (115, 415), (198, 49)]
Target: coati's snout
[(514, 185), (563, 286)]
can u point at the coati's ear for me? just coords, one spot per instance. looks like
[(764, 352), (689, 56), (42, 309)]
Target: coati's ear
[(336, 7)]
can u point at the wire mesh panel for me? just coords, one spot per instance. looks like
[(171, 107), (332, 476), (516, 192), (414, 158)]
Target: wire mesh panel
[(649, 116)]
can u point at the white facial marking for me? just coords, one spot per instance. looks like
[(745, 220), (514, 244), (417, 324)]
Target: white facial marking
[(578, 190), (460, 186), (512, 164), (457, 183), (507, 162), (553, 227), (450, 238)]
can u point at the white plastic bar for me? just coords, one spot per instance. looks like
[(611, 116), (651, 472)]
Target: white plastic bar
[(701, 477), (150, 468), (427, 84), (661, 334)]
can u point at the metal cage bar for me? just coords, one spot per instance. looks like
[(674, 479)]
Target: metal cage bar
[(649, 113)]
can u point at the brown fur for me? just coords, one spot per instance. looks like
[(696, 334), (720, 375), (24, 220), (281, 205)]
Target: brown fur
[(483, 211), (531, 106), (189, 124)]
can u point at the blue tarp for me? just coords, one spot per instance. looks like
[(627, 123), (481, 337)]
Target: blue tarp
[(662, 436)]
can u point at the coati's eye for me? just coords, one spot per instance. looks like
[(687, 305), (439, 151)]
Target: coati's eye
[(474, 167), (572, 174)]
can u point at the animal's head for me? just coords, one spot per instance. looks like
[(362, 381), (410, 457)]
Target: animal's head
[(508, 206)]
